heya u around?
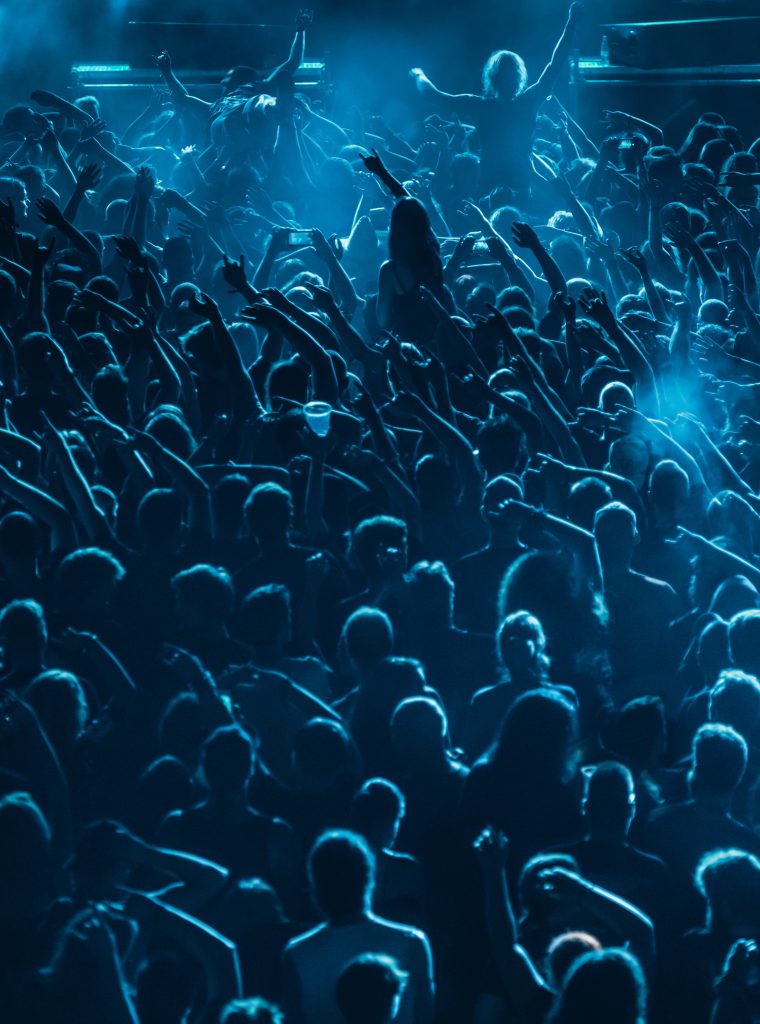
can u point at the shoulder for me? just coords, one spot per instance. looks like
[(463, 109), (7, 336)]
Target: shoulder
[(304, 940), (414, 936)]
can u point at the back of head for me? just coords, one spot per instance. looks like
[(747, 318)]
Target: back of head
[(367, 636), (23, 628), (251, 1011), (19, 537), (88, 575), (744, 641), (668, 486), (264, 618), (376, 812), (566, 950), (719, 759), (431, 590), (534, 744), (341, 874), (504, 75), (609, 803), (735, 701), (585, 500), (227, 760), (369, 988), (379, 542), (638, 732), (269, 511), (160, 518), (602, 987), (204, 592), (729, 881), (615, 533)]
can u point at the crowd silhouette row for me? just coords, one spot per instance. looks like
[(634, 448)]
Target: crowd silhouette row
[(379, 558)]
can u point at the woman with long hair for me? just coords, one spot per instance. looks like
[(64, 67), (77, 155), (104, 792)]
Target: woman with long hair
[(414, 263)]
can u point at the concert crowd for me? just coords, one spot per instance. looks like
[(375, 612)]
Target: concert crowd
[(379, 557)]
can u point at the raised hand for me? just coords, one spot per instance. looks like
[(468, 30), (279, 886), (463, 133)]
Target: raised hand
[(128, 249), (615, 120), (635, 257), (144, 183), (203, 305), (421, 80), (91, 130), (323, 298), (577, 10), (373, 163), (163, 62), (233, 272), (89, 177), (594, 304), (49, 213), (41, 254), (304, 19), (492, 847), (525, 237)]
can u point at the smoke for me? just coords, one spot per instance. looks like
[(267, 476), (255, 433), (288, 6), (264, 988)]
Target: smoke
[(40, 40)]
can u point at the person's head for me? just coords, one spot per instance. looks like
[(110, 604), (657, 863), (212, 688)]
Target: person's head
[(23, 635), (369, 989), (729, 882), (628, 457), (668, 490), (269, 513), (615, 396), (169, 428), (719, 760), (585, 499), (60, 704), (500, 445), (367, 638), (254, 1010), (229, 497), (379, 547), (735, 701), (564, 951), (26, 857), (87, 581), (15, 190), (609, 805), (264, 620), (431, 593), (419, 733), (110, 394), (521, 646), (616, 537), (638, 733), (19, 542), (504, 75), (227, 760), (376, 812), (341, 871), (324, 755), (412, 242), (536, 739), (160, 520), (744, 641), (503, 517), (204, 597), (602, 987)]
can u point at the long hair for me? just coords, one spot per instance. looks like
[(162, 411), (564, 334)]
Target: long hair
[(504, 75), (412, 243)]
